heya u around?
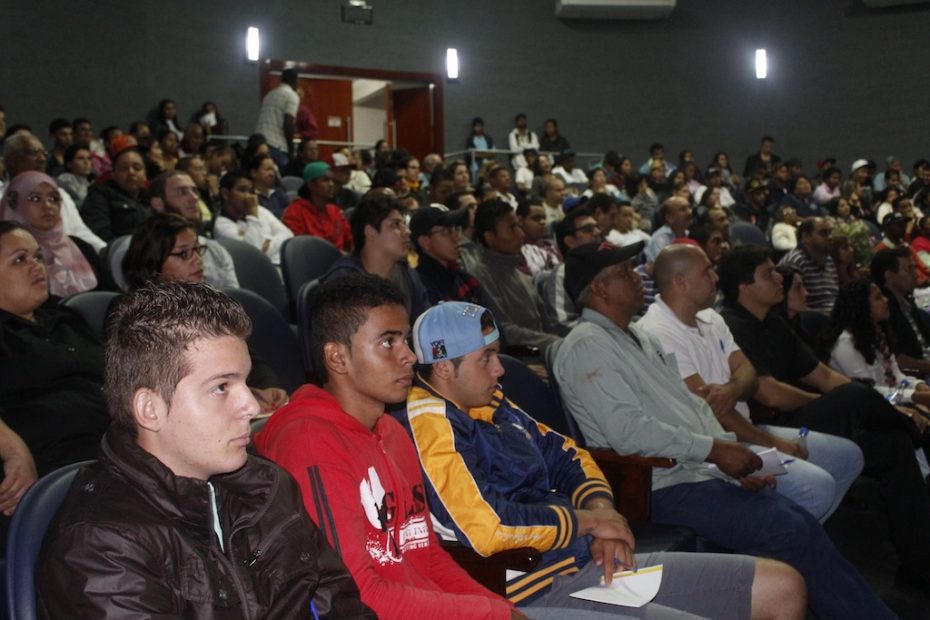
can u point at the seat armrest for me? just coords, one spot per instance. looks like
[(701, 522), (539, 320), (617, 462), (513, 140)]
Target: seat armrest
[(630, 480), (491, 571)]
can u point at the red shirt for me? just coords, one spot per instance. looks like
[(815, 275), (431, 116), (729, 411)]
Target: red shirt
[(303, 218)]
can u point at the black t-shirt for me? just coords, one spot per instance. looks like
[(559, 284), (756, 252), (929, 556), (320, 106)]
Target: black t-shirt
[(771, 345)]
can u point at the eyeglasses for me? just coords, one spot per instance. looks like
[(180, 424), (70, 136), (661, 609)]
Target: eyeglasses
[(188, 253), (587, 228)]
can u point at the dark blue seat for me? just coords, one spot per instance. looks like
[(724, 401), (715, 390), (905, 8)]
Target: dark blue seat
[(744, 233), (257, 273), (27, 530), (94, 306), (272, 339), (303, 259), (303, 322)]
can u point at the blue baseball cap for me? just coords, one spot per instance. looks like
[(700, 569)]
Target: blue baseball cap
[(450, 330)]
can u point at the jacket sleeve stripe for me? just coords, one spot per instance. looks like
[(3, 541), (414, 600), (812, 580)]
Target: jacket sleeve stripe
[(324, 516), (524, 586), (588, 489)]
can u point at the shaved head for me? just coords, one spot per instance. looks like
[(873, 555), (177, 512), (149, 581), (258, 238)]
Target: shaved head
[(674, 259)]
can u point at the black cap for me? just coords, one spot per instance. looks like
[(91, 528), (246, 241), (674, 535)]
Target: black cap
[(582, 264), (424, 218)]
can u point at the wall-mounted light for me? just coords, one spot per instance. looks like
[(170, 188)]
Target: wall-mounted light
[(762, 64), (452, 64), (251, 44)]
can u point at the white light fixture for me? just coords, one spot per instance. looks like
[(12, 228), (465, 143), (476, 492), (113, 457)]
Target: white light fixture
[(251, 44), (452, 63), (762, 64)]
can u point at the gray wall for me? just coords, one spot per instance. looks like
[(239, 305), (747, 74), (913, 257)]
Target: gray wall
[(843, 81)]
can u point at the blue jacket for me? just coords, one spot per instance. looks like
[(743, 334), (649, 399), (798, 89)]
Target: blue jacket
[(497, 479)]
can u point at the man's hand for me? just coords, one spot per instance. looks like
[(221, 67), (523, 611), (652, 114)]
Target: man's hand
[(734, 459), (757, 483), (608, 554), (721, 398), (605, 523), (790, 448), (19, 473), (251, 205)]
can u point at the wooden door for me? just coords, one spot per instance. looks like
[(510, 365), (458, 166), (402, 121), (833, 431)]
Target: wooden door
[(331, 104), (414, 120)]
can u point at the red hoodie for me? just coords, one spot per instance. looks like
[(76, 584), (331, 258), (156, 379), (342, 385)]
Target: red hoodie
[(364, 489)]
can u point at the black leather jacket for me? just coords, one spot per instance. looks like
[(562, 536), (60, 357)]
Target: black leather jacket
[(133, 540)]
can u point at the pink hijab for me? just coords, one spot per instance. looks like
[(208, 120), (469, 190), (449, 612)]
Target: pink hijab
[(68, 270)]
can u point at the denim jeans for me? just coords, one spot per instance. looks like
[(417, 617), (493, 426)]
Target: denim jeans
[(767, 524)]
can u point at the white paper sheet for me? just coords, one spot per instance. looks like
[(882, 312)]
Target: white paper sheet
[(771, 464), (629, 589)]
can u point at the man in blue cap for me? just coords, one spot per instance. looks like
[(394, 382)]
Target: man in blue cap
[(496, 479)]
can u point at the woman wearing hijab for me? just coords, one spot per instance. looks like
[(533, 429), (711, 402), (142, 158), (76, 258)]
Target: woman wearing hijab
[(33, 200)]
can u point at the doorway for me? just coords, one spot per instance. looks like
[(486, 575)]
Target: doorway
[(357, 107)]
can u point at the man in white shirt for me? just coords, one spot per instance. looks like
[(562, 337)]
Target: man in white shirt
[(519, 139), (276, 118), (243, 219), (715, 369), (567, 171)]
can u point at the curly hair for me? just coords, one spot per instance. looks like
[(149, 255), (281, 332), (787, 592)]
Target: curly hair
[(852, 313)]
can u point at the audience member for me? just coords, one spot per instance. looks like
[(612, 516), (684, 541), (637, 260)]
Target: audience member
[(76, 177), (657, 161), (764, 159), (71, 264), (552, 496), (785, 230), (271, 194), (479, 141), (842, 253), (193, 141), (812, 257), (895, 273), (313, 212), (276, 118), (552, 141), (166, 118), (860, 183), (804, 392), (207, 188), (553, 197), (624, 394), (242, 218), (174, 489), (117, 207), (849, 225), (541, 254), (624, 230), (343, 197), (441, 186), (501, 270), (461, 178), (61, 135), (499, 179), (800, 197), (574, 177), (829, 188), (382, 242), (675, 215), (519, 139), (713, 367)]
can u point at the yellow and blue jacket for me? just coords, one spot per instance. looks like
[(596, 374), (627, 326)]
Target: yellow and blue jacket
[(497, 479)]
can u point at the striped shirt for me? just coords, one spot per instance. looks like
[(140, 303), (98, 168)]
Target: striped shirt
[(820, 279)]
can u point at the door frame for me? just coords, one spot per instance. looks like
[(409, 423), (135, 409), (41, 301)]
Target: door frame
[(271, 66)]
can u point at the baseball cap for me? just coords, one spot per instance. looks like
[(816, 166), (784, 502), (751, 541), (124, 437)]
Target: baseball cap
[(859, 163), (756, 185), (120, 144), (892, 218), (315, 170), (450, 330), (584, 262), (425, 218)]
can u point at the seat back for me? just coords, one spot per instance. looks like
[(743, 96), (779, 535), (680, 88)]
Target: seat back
[(526, 389), (30, 522), (115, 251), (303, 322), (305, 258), (272, 338), (292, 184), (744, 233), (94, 306), (256, 273)]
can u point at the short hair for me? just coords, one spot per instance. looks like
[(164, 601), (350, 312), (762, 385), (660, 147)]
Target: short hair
[(149, 333), (767, 139), (655, 146), (600, 202), (149, 247), (136, 125), (185, 163), (80, 120), (7, 226), (339, 307), (702, 233), (16, 143), (255, 162), (806, 227), (72, 151), (58, 124), (487, 215), (830, 172), (738, 266), (519, 116), (159, 184), (290, 76), (106, 131), (566, 227), (885, 261), (229, 179), (439, 175), (792, 183), (524, 204), (452, 202), (371, 211)]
